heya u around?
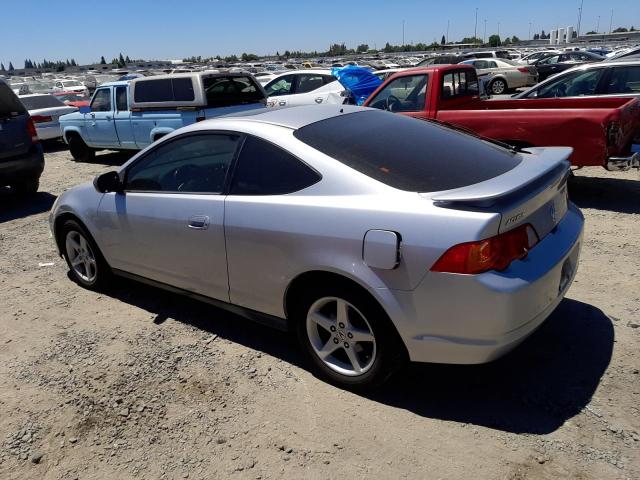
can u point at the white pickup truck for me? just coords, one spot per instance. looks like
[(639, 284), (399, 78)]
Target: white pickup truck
[(130, 115)]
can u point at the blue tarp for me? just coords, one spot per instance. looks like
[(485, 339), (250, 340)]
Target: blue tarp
[(357, 80)]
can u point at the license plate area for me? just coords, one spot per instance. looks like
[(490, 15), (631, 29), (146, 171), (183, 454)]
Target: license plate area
[(566, 273)]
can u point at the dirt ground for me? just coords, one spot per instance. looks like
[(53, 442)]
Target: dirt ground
[(139, 383)]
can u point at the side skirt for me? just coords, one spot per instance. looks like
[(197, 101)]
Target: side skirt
[(253, 315)]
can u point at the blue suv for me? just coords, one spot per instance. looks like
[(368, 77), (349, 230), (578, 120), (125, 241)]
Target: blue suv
[(21, 156)]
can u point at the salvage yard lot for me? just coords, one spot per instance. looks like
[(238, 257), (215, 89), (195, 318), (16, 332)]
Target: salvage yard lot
[(140, 383)]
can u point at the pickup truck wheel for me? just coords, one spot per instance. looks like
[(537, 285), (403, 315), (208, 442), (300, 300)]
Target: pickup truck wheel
[(27, 187), (79, 150), (498, 86)]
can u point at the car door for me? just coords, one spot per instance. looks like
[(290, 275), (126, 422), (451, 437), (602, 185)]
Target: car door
[(168, 223), (122, 118), (279, 89), (101, 126), (305, 90)]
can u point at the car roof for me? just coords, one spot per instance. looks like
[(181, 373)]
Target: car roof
[(320, 71), (35, 95), (292, 117)]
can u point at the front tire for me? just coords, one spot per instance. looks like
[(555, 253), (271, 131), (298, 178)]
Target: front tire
[(80, 151), (86, 263), (498, 87), (348, 337)]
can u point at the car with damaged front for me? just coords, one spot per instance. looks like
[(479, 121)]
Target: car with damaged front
[(415, 242)]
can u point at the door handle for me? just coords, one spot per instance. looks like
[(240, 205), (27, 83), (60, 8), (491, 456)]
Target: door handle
[(282, 103), (108, 118), (319, 100), (199, 222)]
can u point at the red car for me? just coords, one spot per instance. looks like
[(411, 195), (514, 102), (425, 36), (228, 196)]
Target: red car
[(601, 130), (72, 98)]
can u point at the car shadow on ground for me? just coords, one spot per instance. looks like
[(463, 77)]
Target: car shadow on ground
[(535, 389), (602, 193), (112, 157), (14, 206)]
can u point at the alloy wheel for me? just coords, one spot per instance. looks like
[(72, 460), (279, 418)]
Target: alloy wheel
[(81, 256), (341, 336)]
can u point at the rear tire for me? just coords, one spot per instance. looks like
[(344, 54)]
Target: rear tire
[(498, 87), (86, 264), (80, 151), (27, 187), (358, 349)]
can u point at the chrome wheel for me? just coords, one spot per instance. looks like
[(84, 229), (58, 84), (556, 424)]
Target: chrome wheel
[(80, 256), (341, 336)]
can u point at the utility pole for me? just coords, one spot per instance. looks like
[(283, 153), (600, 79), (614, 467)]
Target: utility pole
[(475, 28), (529, 30), (498, 29), (447, 39), (580, 16), (611, 22), (403, 32), (598, 25), (484, 37)]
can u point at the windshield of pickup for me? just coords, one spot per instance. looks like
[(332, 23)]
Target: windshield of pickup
[(403, 94), (227, 91)]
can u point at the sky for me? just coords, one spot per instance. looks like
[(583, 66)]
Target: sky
[(170, 29)]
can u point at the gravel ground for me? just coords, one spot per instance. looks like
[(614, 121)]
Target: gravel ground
[(139, 383)]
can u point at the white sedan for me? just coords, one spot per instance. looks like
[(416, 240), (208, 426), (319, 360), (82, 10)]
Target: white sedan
[(45, 111), (304, 87), (71, 86)]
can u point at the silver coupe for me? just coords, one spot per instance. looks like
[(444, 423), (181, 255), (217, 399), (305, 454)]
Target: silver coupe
[(378, 238)]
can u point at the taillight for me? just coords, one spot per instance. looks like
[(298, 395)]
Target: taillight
[(613, 132), (524, 70), (41, 118), (31, 130), (495, 253)]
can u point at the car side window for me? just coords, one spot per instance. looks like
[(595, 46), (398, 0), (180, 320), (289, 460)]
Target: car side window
[(101, 101), (404, 94), (191, 164), (265, 169), (624, 80), (309, 83), (492, 65), (280, 86), (549, 60), (328, 79), (459, 84), (572, 85), (121, 99)]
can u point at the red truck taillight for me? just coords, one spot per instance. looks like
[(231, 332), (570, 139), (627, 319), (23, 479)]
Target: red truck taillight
[(41, 118), (31, 129), (495, 253)]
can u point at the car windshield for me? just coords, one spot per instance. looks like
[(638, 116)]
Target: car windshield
[(10, 106), (41, 101), (406, 153)]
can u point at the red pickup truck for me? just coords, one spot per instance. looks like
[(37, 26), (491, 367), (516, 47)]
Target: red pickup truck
[(601, 130)]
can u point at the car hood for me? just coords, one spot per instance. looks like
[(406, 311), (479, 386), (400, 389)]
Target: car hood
[(70, 117)]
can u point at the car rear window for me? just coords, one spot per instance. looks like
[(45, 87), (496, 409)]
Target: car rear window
[(405, 153), (10, 106), (44, 101), (225, 91), (164, 90)]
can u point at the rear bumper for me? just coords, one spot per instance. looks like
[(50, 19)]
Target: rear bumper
[(24, 167), (616, 164), (469, 319), (49, 132)]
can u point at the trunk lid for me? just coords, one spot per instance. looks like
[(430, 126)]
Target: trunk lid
[(534, 192)]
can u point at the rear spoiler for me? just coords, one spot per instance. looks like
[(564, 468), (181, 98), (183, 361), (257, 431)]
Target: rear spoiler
[(534, 171)]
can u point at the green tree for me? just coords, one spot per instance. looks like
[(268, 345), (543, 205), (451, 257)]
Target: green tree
[(121, 62), (11, 69), (287, 53), (443, 40), (127, 60), (2, 66), (103, 61), (591, 32), (362, 48), (494, 41), (620, 30), (249, 57), (515, 39)]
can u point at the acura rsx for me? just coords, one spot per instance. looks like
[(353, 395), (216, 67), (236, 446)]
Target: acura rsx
[(376, 237)]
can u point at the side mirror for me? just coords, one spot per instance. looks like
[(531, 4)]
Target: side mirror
[(108, 182)]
